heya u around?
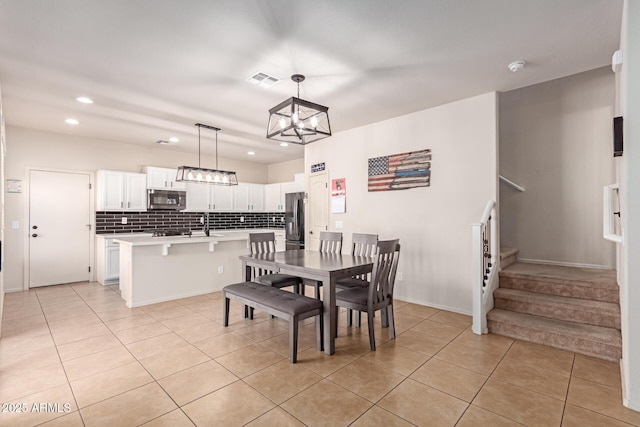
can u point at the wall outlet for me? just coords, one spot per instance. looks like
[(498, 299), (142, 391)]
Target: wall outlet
[(400, 276), (202, 220), (339, 224), (123, 220), (241, 219), (15, 225), (220, 269), (273, 219), (281, 219)]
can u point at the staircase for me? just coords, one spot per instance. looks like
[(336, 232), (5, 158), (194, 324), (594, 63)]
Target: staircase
[(571, 308)]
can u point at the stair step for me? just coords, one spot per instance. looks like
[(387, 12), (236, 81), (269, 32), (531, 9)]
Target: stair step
[(507, 252), (585, 283), (508, 256), (595, 341), (576, 310)]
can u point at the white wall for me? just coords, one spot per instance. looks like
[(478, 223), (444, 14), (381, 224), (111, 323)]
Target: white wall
[(285, 171), (555, 140), (26, 147), (629, 276), (432, 223)]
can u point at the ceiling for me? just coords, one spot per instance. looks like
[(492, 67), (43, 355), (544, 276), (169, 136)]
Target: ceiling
[(156, 67)]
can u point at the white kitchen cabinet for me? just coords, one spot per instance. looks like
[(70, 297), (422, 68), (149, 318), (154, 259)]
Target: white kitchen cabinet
[(274, 195), (135, 191), (163, 178), (272, 199), (108, 257), (121, 191), (222, 197), (210, 198), (198, 197), (112, 269), (249, 197), (108, 260)]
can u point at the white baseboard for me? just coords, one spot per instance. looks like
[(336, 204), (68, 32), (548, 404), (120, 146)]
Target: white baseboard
[(566, 264), (438, 306)]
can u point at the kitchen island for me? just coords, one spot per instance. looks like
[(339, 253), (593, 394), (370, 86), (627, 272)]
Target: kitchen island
[(158, 269)]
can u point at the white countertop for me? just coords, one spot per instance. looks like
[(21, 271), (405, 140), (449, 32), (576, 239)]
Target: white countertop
[(197, 237)]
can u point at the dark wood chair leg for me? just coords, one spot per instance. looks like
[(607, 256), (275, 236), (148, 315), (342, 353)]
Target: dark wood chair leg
[(225, 319), (293, 339), (372, 334), (320, 332), (384, 318), (392, 323)]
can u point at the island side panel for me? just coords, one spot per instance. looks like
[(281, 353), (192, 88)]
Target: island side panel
[(187, 270), (126, 276)]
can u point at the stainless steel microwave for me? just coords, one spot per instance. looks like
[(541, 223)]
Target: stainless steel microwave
[(175, 200)]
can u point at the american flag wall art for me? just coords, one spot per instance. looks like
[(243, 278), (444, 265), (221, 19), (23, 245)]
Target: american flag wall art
[(400, 171)]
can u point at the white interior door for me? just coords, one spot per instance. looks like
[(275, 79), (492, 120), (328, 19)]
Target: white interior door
[(318, 208), (59, 227)]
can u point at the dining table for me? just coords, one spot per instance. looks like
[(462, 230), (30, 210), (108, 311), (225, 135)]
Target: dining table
[(323, 267)]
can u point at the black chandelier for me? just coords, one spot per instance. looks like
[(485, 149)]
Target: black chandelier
[(204, 175), (298, 121)]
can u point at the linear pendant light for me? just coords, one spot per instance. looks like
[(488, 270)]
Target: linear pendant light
[(204, 175), (298, 121)]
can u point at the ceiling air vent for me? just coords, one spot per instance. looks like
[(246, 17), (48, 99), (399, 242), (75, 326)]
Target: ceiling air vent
[(262, 79)]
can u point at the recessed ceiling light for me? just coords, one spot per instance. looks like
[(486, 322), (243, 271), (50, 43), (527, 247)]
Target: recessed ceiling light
[(251, 153), (173, 139), (84, 100), (284, 144), (72, 121)]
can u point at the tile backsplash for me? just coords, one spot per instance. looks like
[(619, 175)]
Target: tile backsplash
[(110, 222)]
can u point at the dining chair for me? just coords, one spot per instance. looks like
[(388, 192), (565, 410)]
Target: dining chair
[(330, 243), (263, 243), (361, 245), (378, 296)]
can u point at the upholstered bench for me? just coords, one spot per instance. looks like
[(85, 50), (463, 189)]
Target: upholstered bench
[(285, 305)]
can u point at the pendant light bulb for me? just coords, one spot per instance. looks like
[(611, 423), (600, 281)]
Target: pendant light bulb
[(190, 175), (314, 122), (283, 123)]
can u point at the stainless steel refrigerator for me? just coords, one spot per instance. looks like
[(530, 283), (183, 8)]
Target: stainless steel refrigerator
[(294, 220)]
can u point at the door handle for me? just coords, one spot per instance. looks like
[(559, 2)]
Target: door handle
[(34, 235)]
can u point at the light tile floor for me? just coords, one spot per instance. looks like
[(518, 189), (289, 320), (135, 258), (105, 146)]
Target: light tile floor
[(74, 355)]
